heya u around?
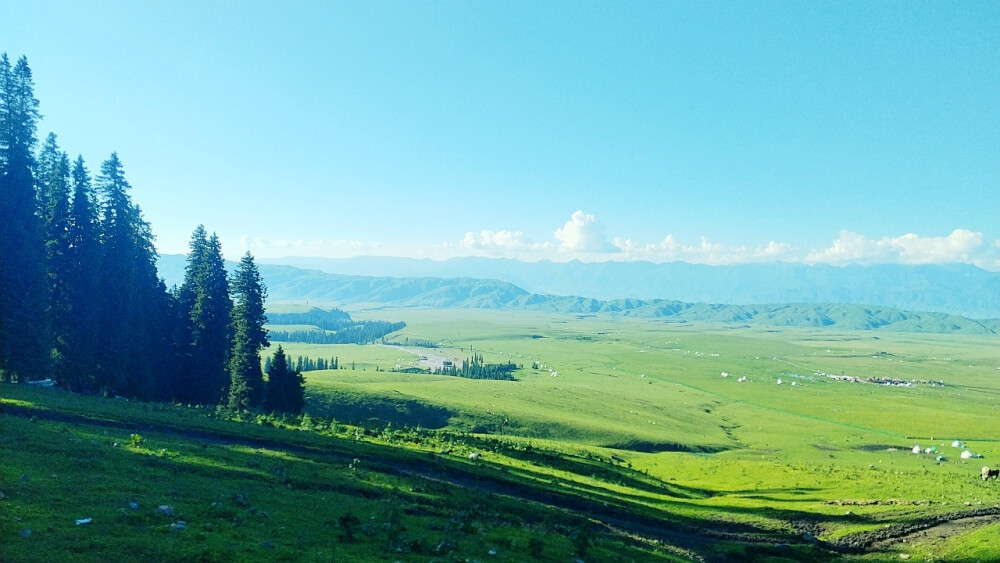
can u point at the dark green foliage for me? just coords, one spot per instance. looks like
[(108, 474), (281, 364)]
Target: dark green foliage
[(305, 363), (134, 350), (476, 368), (205, 302), (78, 277), (285, 386), (351, 332), (326, 319), (53, 186), (246, 383), (336, 327), (80, 287), (24, 328)]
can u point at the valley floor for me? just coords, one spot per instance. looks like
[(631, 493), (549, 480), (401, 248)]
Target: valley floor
[(625, 442)]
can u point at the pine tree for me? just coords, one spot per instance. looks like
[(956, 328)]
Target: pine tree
[(53, 187), (204, 299), (134, 344), (24, 329), (81, 286), (285, 386), (246, 384)]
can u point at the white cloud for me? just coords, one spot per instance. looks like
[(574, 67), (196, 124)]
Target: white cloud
[(493, 244), (961, 246), (583, 237), (583, 233), (502, 240), (706, 252), (266, 248)]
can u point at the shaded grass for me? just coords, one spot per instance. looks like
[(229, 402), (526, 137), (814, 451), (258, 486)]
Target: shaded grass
[(747, 465)]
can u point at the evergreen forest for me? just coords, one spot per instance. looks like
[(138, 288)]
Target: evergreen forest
[(81, 304)]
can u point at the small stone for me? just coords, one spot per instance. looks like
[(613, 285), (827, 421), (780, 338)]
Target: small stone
[(267, 544), (179, 526), (904, 555), (165, 510), (25, 533), (25, 478), (133, 505)]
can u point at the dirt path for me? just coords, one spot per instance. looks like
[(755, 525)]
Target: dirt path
[(426, 361), (941, 526)]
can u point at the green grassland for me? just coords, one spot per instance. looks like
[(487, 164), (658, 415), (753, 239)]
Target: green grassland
[(637, 444), (810, 448)]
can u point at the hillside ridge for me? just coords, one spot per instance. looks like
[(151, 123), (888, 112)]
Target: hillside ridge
[(293, 284)]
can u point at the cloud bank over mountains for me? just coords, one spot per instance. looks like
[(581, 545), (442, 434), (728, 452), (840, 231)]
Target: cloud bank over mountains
[(584, 237)]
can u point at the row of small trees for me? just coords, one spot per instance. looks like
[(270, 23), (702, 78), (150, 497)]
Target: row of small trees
[(80, 298), (305, 363), (477, 368), (352, 332)]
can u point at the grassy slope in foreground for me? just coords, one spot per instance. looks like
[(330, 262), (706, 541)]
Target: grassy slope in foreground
[(253, 492), (812, 459)]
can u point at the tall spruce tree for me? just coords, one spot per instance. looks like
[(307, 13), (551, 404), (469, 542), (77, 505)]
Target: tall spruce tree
[(24, 327), (246, 381), (204, 298), (285, 386), (81, 260), (52, 179), (134, 304)]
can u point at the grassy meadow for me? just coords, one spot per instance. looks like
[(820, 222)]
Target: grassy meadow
[(626, 443)]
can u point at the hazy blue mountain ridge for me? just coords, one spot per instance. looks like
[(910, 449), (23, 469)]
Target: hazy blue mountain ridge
[(957, 289), (288, 283)]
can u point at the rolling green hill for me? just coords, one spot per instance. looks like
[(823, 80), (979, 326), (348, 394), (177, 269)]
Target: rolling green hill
[(288, 284)]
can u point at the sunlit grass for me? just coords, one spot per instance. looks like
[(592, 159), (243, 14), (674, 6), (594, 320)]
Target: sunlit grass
[(682, 444)]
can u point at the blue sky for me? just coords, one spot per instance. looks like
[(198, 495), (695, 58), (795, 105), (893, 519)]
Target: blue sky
[(836, 132)]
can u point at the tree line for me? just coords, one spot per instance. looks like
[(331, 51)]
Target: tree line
[(81, 301), (306, 363), (476, 368), (350, 332)]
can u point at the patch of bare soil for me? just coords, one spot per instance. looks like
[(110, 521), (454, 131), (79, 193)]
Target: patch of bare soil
[(940, 526)]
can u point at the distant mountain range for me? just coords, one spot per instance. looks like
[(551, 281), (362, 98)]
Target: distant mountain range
[(955, 289), (877, 297)]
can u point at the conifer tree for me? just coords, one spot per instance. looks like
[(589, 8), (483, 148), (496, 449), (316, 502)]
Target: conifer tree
[(285, 386), (53, 187), (81, 262), (246, 385), (205, 302), (134, 342), (24, 329)]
